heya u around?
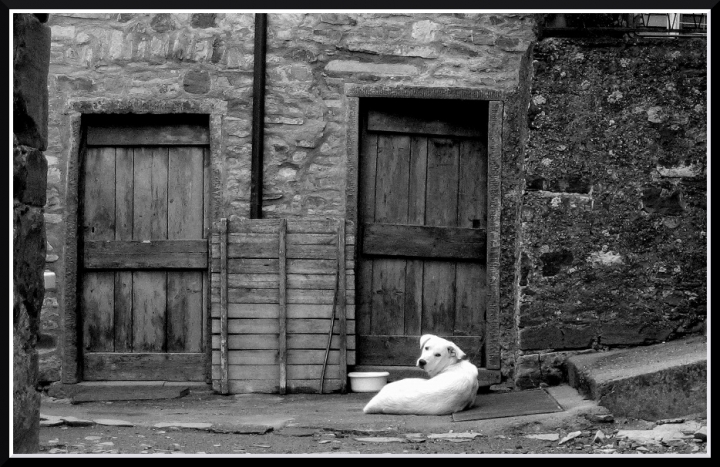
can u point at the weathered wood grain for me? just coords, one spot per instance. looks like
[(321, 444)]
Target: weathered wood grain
[(144, 366), (270, 310), (269, 342), (424, 241), (156, 254), (98, 315), (270, 357), (98, 288), (124, 183), (471, 290), (440, 210)]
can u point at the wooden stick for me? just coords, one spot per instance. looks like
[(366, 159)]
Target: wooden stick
[(332, 324), (282, 284), (341, 290), (223, 308)]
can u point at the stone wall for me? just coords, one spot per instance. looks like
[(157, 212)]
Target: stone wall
[(310, 57), (613, 248), (31, 47)]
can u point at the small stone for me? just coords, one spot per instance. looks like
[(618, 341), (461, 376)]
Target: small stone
[(601, 418), (453, 435), (670, 420), (53, 441), (545, 437), (93, 438), (642, 449), (599, 437), (52, 422), (324, 441), (570, 436), (701, 434), (381, 439), (176, 447), (111, 422)]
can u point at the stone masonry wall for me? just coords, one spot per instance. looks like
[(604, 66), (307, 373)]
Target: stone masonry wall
[(310, 57), (613, 249), (31, 47)]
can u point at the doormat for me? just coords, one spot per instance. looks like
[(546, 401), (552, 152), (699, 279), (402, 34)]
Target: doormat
[(127, 393), (509, 404)]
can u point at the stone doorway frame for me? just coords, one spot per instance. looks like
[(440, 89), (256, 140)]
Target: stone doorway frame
[(72, 120), (497, 100)]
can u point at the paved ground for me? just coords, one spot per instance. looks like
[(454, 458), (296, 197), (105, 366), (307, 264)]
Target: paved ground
[(205, 423)]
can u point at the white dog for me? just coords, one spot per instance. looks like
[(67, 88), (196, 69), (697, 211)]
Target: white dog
[(452, 386)]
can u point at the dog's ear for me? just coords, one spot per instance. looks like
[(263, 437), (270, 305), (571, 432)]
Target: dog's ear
[(424, 338), (455, 351)]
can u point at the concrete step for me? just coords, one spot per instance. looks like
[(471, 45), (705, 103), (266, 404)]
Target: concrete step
[(653, 382)]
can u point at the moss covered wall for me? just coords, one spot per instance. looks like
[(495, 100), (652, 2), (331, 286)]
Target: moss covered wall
[(613, 248)]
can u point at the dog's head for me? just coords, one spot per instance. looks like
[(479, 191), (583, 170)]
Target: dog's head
[(437, 354)]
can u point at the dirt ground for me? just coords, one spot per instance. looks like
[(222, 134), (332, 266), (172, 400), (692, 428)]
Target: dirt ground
[(103, 440)]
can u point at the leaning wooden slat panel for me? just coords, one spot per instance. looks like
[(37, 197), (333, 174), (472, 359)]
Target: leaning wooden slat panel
[(313, 357), (271, 387), (253, 226), (309, 296), (248, 326), (144, 366), (123, 231), (247, 265), (318, 326), (258, 372), (311, 251), (222, 294), (271, 310), (248, 357), (317, 341), (312, 226), (313, 372), (248, 342), (269, 342), (345, 326), (311, 239)]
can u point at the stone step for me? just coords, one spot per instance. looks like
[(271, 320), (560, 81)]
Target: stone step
[(651, 382)]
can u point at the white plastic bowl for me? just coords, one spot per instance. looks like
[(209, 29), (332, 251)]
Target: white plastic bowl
[(367, 381)]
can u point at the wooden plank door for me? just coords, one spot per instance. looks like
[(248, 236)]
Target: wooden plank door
[(144, 221), (423, 217)]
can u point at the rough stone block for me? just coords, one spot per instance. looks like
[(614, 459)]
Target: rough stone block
[(527, 371), (197, 82), (556, 336), (29, 246), (29, 176), (31, 59), (651, 382), (26, 399)]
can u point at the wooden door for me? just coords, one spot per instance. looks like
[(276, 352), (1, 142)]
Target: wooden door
[(144, 223), (423, 216)]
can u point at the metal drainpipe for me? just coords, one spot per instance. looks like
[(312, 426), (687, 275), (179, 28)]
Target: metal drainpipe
[(258, 118)]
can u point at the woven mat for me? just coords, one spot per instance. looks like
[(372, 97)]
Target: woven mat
[(509, 404)]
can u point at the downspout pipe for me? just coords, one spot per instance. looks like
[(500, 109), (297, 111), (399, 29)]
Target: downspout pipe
[(258, 117)]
